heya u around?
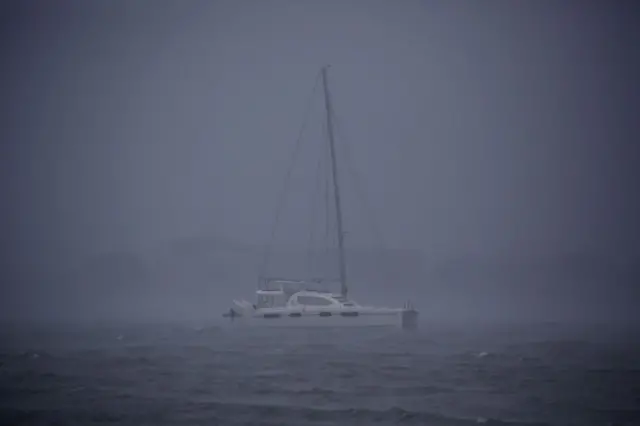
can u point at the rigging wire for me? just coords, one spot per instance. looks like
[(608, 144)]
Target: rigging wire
[(283, 194), (327, 201), (360, 191), (314, 214), (331, 257), (330, 227)]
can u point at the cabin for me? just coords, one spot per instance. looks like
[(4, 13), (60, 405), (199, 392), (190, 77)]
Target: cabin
[(280, 293)]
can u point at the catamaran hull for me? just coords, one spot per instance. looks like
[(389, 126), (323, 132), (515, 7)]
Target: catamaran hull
[(401, 319)]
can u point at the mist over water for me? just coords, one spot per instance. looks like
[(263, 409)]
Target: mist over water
[(143, 149)]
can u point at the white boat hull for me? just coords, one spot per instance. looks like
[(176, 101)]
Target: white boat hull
[(391, 318), (312, 308)]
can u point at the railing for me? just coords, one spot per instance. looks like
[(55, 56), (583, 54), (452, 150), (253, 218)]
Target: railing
[(319, 284)]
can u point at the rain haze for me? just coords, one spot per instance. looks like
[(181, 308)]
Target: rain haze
[(494, 141), (488, 160)]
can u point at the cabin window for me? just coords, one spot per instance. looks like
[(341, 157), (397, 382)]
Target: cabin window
[(313, 301), (270, 300), (265, 301)]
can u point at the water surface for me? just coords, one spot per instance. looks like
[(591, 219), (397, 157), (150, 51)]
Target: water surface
[(177, 374)]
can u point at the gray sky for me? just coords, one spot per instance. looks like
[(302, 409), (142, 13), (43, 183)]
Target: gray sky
[(478, 127)]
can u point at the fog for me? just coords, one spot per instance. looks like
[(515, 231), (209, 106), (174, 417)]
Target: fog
[(145, 143)]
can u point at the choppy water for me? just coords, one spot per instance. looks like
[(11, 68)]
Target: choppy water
[(441, 375)]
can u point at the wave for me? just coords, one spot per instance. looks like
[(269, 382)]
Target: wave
[(242, 414)]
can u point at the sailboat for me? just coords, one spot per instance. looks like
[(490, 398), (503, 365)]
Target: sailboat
[(310, 302)]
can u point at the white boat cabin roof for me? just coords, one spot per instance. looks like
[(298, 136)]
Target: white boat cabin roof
[(303, 297)]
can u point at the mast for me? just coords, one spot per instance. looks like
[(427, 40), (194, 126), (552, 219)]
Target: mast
[(336, 187)]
